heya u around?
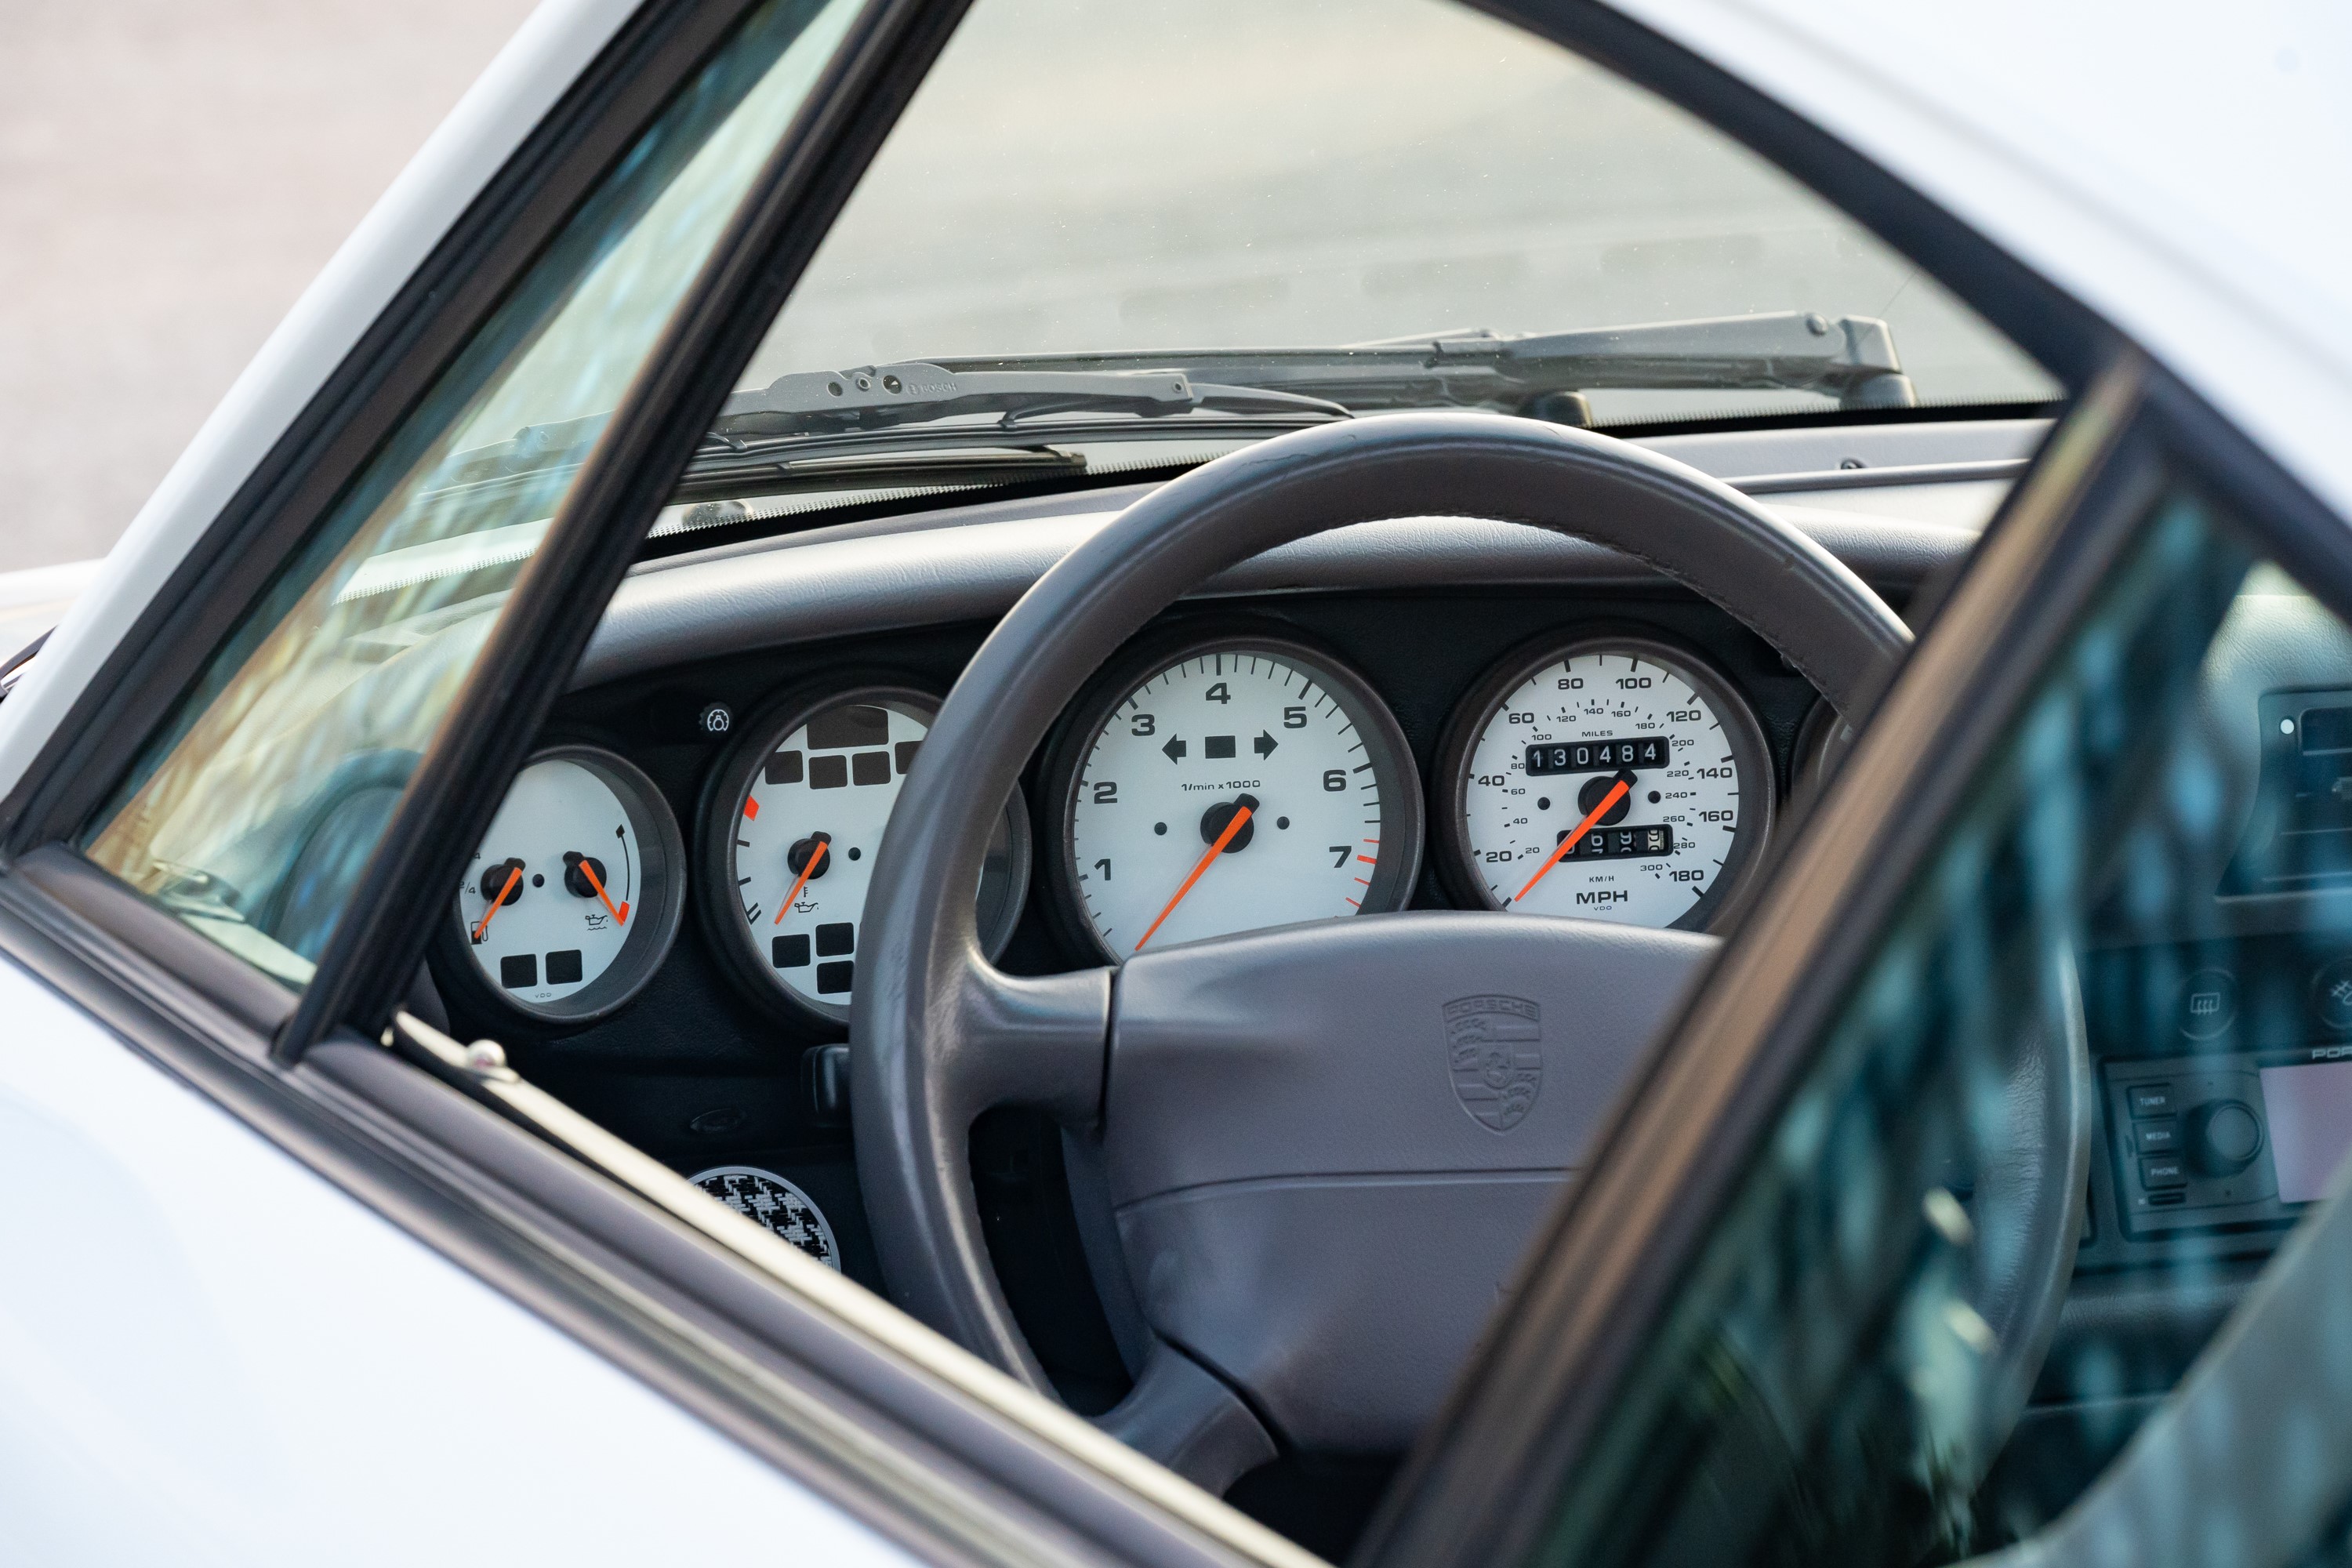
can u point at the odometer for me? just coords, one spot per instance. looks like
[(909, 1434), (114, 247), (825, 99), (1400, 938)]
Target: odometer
[(1227, 784), (1614, 779)]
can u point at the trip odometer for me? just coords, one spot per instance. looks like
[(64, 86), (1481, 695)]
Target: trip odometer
[(1227, 784), (1613, 779)]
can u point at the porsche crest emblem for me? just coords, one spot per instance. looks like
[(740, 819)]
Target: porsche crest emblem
[(1494, 1045)]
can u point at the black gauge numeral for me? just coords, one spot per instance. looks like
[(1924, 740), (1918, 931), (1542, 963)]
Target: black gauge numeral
[(1143, 725), (1106, 795), (1104, 867), (1218, 693), (1339, 853), (1294, 718), (1334, 780)]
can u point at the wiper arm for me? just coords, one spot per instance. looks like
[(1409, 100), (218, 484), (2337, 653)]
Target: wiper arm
[(1851, 358), (920, 392), (857, 409)]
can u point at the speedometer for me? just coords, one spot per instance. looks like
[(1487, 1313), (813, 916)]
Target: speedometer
[(1229, 784), (1615, 778)]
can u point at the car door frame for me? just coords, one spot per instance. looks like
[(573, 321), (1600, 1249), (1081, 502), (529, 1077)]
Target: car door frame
[(1597, 1285), (584, 1251)]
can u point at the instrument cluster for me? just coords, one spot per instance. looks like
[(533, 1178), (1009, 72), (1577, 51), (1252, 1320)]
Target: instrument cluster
[(1221, 779)]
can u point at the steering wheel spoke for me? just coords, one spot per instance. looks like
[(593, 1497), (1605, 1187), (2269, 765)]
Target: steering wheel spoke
[(1032, 1040)]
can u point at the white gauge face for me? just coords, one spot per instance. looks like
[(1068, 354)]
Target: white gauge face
[(1292, 767), (548, 900), (804, 839), (806, 798), (1609, 784)]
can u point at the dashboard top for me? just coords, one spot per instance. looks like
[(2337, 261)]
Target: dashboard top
[(1895, 502)]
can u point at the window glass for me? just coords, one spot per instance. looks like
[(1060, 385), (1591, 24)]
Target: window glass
[(252, 811), (1166, 177), (2091, 1077)]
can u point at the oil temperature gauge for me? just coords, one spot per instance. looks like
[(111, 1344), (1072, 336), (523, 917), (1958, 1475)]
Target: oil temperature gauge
[(790, 823), (572, 899)]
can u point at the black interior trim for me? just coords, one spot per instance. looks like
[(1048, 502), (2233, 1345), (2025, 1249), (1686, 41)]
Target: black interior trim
[(391, 365)]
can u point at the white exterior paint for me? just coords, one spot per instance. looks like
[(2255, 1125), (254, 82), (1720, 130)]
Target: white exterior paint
[(209, 1354)]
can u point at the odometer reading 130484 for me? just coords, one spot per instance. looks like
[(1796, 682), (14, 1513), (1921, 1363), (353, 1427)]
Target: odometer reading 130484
[(1230, 784), (1616, 779)]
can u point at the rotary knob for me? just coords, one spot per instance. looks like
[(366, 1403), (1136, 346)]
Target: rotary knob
[(2223, 1137)]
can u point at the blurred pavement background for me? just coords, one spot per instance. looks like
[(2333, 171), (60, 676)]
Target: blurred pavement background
[(171, 177)]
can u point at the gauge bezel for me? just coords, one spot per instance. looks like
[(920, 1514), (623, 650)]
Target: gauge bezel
[(1456, 868), (1392, 884), (660, 906), (738, 950)]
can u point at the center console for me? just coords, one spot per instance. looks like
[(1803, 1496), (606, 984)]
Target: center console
[(2225, 1087)]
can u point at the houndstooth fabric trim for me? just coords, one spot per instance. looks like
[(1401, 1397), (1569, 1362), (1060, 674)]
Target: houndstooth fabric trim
[(773, 1202)]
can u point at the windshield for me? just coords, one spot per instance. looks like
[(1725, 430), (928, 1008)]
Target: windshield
[(1120, 186)]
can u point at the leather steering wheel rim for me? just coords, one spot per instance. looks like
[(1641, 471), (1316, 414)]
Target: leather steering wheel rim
[(939, 1036)]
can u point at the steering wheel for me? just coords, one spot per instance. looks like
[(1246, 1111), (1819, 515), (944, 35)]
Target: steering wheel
[(1315, 1230)]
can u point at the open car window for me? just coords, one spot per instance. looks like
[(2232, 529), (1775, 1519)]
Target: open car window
[(2089, 1079), (252, 812)]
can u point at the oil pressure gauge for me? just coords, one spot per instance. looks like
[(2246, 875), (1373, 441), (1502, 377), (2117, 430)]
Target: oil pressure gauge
[(790, 823), (574, 896), (1612, 778)]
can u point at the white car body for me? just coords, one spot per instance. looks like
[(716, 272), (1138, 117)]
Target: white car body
[(181, 1299)]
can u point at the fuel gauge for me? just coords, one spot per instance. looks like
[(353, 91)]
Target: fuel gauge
[(572, 899)]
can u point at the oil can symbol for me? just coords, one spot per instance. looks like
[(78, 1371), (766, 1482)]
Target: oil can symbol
[(1495, 1047)]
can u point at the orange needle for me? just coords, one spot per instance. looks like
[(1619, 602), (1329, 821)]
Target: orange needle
[(621, 915), (816, 858), (496, 904), (1241, 816), (1616, 794)]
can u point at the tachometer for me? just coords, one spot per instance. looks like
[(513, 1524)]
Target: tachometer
[(790, 826), (1226, 785), (1616, 778), (572, 899)]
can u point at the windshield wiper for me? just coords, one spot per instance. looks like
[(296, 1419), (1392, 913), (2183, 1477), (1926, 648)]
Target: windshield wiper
[(1022, 403), (830, 414), (1850, 358), (919, 393)]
